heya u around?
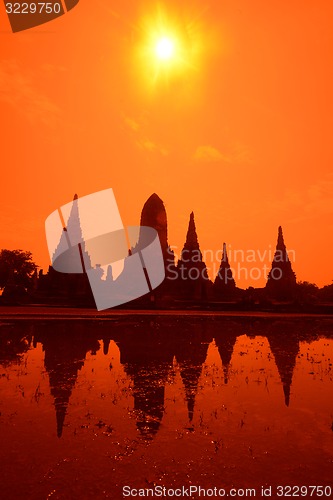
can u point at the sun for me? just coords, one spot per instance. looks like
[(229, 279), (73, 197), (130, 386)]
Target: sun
[(168, 47), (165, 48)]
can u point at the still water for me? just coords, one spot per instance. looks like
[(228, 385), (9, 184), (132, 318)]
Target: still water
[(88, 407)]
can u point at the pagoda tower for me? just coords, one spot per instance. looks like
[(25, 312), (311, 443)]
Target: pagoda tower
[(281, 282), (72, 284), (74, 258), (193, 276), (224, 284), (154, 215)]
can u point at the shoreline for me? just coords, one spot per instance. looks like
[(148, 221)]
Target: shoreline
[(38, 313)]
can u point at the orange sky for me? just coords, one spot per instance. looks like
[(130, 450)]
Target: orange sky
[(241, 135)]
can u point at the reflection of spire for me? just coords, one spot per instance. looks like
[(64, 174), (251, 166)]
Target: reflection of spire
[(62, 381), (285, 349), (225, 342), (191, 355), (148, 400), (64, 357), (63, 370), (190, 377), (106, 343), (148, 361), (74, 225)]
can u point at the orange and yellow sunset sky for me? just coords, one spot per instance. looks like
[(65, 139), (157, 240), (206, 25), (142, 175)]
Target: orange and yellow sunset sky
[(236, 125)]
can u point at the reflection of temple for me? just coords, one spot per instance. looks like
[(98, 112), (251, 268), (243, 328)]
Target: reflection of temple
[(285, 348), (147, 350), (225, 342), (191, 353), (148, 362), (65, 353)]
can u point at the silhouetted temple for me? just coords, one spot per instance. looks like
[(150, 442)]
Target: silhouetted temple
[(281, 282), (193, 276), (224, 284), (186, 282), (70, 287), (76, 257), (154, 215)]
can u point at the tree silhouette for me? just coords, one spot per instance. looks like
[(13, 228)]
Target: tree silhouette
[(16, 268)]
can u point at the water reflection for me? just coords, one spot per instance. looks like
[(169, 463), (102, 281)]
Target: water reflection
[(147, 360), (14, 342), (148, 351), (65, 352), (229, 380)]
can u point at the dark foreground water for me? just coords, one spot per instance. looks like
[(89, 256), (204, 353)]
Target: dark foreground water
[(88, 407)]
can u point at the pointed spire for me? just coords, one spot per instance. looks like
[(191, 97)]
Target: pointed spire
[(74, 224), (74, 259), (191, 237), (224, 282), (193, 275), (281, 282), (280, 242), (224, 254)]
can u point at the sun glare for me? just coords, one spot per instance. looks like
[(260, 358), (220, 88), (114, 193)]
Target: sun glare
[(169, 47), (165, 48)]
